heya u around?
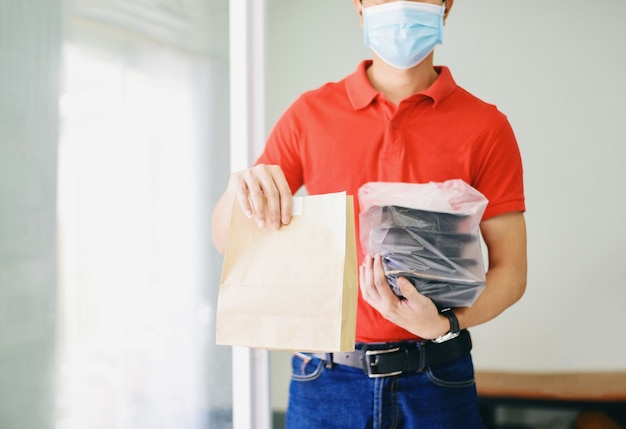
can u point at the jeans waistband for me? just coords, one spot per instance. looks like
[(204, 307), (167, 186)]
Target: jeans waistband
[(391, 359)]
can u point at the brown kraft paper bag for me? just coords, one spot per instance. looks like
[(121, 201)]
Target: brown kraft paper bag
[(294, 288)]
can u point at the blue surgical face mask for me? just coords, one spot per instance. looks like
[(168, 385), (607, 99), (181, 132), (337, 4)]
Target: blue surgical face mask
[(403, 33)]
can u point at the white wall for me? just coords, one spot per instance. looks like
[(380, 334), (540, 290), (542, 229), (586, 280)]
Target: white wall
[(557, 70)]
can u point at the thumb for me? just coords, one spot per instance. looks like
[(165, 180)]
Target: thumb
[(413, 296), (407, 289)]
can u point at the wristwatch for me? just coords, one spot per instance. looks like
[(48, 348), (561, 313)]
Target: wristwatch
[(455, 329)]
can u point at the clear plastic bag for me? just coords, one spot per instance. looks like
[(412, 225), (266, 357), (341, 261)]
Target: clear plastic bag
[(428, 233)]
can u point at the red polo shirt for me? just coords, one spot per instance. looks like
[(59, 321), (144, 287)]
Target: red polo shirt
[(344, 134)]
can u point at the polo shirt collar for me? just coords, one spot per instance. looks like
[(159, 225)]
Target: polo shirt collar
[(361, 93), (443, 86)]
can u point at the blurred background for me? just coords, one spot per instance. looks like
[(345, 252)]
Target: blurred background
[(114, 147)]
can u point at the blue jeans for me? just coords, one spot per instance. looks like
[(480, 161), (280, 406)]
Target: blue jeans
[(342, 397)]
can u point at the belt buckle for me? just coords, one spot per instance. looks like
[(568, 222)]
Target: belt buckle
[(370, 361)]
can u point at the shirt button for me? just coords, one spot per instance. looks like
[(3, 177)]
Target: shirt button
[(395, 125)]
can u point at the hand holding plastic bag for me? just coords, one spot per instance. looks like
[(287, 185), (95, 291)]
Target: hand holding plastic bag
[(428, 233)]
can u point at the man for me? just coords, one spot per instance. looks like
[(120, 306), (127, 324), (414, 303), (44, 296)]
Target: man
[(397, 118)]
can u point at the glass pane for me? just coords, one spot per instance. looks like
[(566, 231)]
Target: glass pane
[(30, 47), (141, 119)]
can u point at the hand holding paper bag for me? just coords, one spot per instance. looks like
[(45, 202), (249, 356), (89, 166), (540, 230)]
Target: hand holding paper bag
[(294, 288)]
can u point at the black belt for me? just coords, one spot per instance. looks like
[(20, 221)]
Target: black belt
[(388, 359)]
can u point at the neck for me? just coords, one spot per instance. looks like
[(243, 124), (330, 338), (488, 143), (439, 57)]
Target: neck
[(395, 84)]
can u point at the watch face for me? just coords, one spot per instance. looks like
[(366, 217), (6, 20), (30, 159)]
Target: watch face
[(447, 337)]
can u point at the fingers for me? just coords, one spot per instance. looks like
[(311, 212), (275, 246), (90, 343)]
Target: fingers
[(366, 282), (380, 279), (263, 193), (416, 313), (375, 288), (241, 191)]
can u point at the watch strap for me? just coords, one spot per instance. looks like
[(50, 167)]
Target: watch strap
[(454, 322), (455, 328)]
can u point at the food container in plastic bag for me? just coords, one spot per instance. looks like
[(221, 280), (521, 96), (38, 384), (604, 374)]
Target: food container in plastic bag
[(428, 233)]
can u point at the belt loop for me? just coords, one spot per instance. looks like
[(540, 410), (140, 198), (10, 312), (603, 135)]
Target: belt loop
[(329, 361), (422, 357)]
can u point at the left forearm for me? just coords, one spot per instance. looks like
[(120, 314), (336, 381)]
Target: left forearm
[(504, 288), (505, 237)]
